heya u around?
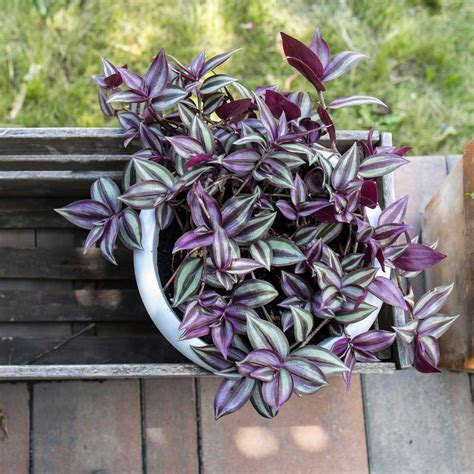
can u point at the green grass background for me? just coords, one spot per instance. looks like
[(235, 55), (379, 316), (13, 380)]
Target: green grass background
[(421, 56)]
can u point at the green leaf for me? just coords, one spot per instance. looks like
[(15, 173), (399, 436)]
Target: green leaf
[(356, 315), (302, 322), (202, 133), (144, 195), (130, 231), (329, 363), (187, 281), (254, 293), (262, 253), (285, 252), (265, 335), (214, 83), (147, 170)]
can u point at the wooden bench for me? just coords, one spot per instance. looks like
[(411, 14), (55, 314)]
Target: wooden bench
[(68, 315)]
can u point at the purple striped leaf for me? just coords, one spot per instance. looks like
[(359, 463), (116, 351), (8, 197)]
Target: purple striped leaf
[(212, 357), (307, 377), (254, 293), (107, 244), (242, 266), (221, 249), (187, 281), (258, 359), (348, 317), (202, 133), (145, 195), (214, 83), (287, 209), (241, 161), (259, 404), (232, 395), (302, 323), (342, 63), (128, 97), (255, 229), (193, 239), (222, 336), (293, 285), (385, 290), (84, 213), (320, 48), (265, 335), (104, 190), (285, 252), (373, 341), (187, 147), (328, 362), (395, 213), (130, 231), (380, 165), (169, 98), (426, 355), (279, 390), (236, 213), (216, 61), (262, 253), (432, 301), (93, 237), (436, 325), (355, 100), (407, 332), (156, 77)]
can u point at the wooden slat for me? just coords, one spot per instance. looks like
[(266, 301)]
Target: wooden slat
[(66, 140), (62, 162), (51, 183), (449, 217), (31, 213), (395, 315), (64, 264), (87, 427), (169, 418), (14, 416), (20, 306), (132, 370), (88, 350)]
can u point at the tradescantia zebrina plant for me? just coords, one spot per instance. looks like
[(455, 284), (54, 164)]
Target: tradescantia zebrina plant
[(276, 250)]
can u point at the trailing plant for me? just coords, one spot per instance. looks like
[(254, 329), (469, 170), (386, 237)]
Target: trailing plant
[(279, 247)]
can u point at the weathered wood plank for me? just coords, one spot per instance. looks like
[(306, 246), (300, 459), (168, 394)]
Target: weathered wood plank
[(307, 436), (87, 427), (62, 162), (131, 370), (14, 417), (51, 183), (64, 264), (80, 305), (98, 140), (88, 350), (170, 426), (28, 213), (17, 238), (449, 217), (421, 423)]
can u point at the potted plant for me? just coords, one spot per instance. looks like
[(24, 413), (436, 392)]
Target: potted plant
[(282, 256)]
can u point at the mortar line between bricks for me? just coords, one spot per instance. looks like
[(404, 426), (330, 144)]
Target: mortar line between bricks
[(143, 425), (197, 400), (363, 389)]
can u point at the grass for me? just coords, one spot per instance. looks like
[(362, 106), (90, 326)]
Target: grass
[(421, 56)]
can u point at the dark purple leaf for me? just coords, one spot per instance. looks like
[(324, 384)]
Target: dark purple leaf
[(199, 237), (279, 104), (156, 77), (388, 292), (418, 257)]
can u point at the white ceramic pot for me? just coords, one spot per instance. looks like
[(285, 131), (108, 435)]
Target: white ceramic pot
[(163, 315)]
